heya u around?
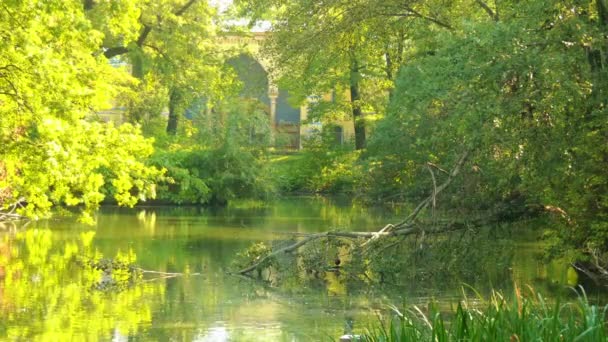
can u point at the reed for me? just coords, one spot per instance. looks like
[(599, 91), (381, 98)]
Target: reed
[(497, 318)]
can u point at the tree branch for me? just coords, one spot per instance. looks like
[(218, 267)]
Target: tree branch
[(410, 12), (403, 228), (491, 13), (440, 188), (144, 34), (115, 51), (431, 19), (10, 214), (120, 50), (88, 4), (602, 11), (295, 246), (185, 8)]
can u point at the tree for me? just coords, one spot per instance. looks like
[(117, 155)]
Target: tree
[(356, 45), (51, 79), (522, 91), (526, 94), (174, 50), (312, 58)]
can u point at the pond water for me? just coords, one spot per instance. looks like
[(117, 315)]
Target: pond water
[(45, 295)]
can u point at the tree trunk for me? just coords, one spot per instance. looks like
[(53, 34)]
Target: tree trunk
[(389, 72), (137, 66), (88, 4), (392, 66), (602, 11), (355, 98), (174, 107)]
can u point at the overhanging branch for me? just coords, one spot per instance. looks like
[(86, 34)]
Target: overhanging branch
[(489, 11), (120, 50), (410, 12)]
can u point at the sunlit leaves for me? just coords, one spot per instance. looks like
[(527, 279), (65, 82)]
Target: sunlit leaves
[(80, 163), (52, 77)]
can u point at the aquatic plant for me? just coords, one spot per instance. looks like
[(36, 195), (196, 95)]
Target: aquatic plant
[(520, 318)]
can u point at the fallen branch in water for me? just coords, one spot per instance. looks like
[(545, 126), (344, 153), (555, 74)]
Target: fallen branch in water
[(176, 274), (425, 203), (406, 227), (164, 275), (10, 215), (110, 267)]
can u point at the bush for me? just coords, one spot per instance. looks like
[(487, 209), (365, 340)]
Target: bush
[(212, 176), (323, 166)]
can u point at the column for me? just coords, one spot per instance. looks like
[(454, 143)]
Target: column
[(273, 94), (303, 127)]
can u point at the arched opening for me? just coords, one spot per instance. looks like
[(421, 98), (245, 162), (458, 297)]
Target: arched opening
[(285, 118), (253, 77)]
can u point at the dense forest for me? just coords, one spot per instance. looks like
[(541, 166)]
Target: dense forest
[(469, 113)]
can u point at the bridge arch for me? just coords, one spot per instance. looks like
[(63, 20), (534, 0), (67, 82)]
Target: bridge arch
[(284, 118), (250, 65)]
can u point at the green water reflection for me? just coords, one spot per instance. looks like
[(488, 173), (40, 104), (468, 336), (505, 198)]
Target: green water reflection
[(44, 295)]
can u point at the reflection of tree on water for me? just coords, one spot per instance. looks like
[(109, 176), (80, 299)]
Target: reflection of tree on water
[(420, 266), (480, 258), (46, 295), (297, 304)]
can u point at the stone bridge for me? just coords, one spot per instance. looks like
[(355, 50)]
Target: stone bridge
[(284, 118), (258, 74)]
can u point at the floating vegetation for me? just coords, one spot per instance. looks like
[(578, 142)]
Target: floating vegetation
[(114, 274), (118, 274)]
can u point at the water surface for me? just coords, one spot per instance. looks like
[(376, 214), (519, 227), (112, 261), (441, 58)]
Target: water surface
[(45, 295)]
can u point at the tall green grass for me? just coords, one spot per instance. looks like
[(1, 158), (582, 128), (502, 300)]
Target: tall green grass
[(520, 318)]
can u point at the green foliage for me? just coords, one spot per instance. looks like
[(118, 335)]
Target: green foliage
[(52, 76), (234, 172), (79, 164), (252, 254), (172, 54), (323, 166), (212, 176), (222, 159), (527, 95), (184, 184), (334, 47), (522, 318)]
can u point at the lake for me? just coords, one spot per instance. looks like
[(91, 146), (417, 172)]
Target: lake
[(45, 295)]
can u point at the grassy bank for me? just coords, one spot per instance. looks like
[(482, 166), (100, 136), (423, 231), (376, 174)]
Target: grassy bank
[(521, 318), (316, 170)]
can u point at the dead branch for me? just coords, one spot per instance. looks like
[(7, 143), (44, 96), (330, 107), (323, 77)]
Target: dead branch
[(165, 273), (559, 211), (352, 235), (403, 228), (440, 188), (435, 166), (452, 226), (434, 194), (10, 215)]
